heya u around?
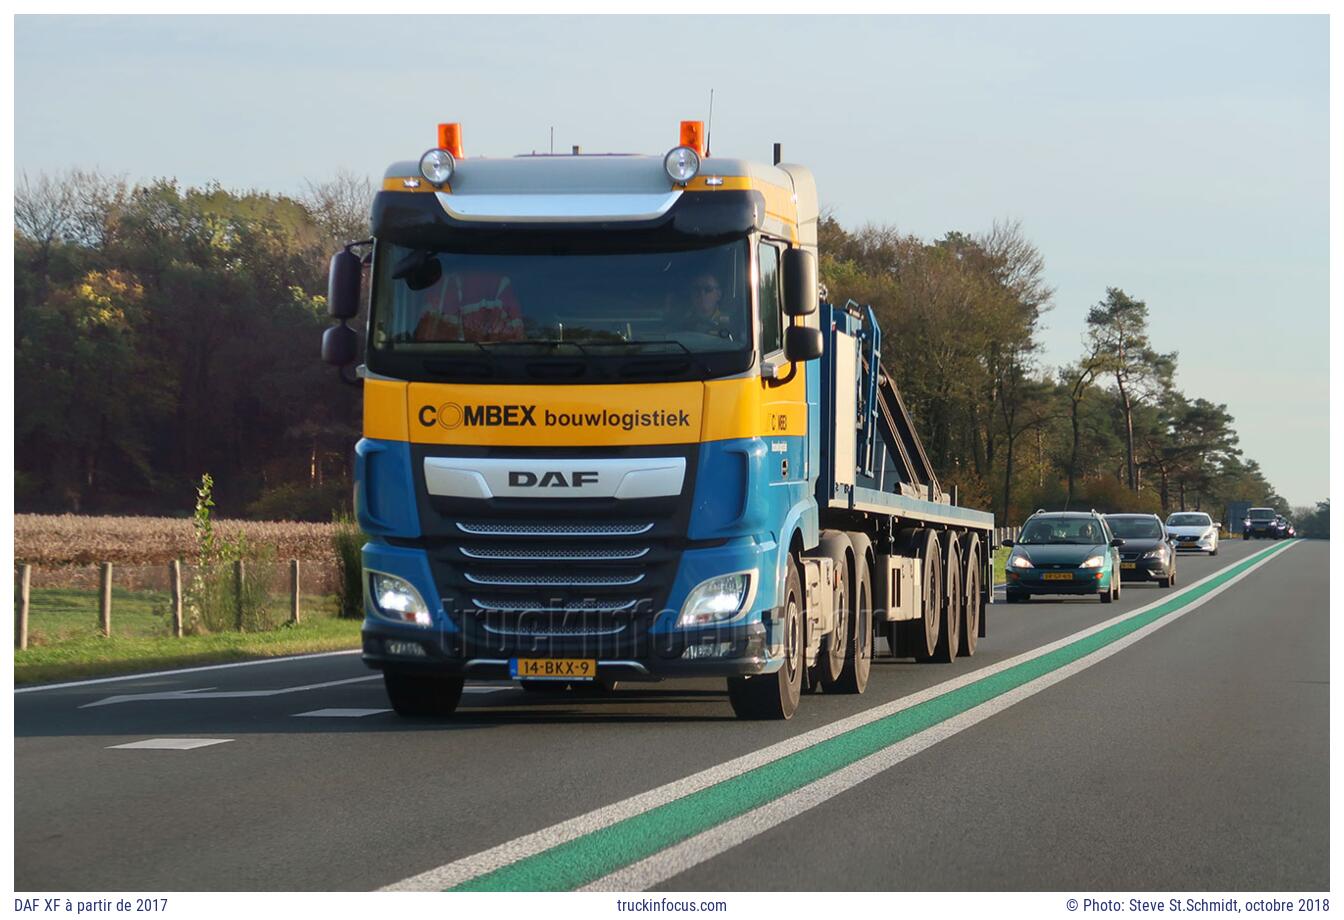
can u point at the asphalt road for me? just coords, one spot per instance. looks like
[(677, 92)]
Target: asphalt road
[(1191, 754)]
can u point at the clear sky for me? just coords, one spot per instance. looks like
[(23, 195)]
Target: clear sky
[(1181, 158)]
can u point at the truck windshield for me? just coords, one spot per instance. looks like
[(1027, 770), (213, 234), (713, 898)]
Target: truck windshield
[(430, 302)]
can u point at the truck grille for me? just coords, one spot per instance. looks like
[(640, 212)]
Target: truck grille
[(564, 587)]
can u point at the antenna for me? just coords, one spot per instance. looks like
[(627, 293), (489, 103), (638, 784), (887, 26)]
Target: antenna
[(709, 126), (552, 138)]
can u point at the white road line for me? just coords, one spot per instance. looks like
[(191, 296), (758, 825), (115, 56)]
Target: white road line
[(717, 840), (339, 713), (169, 744), (209, 693), (207, 667), (469, 867)]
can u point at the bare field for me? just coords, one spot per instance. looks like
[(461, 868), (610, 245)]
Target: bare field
[(76, 540)]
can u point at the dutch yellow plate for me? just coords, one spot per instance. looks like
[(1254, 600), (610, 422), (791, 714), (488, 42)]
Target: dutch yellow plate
[(553, 668), (1129, 565), (1057, 576)]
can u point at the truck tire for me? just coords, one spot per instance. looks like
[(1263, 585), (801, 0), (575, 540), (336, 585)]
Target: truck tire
[(919, 638), (775, 696), (835, 647), (417, 695), (949, 635), (972, 610), (859, 655)]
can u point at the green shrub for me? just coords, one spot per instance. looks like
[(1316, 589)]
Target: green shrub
[(348, 541), (292, 501)]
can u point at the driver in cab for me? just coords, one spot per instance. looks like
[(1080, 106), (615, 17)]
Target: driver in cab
[(706, 316)]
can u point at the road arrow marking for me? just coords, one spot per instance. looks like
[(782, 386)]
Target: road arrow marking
[(169, 744), (210, 693)]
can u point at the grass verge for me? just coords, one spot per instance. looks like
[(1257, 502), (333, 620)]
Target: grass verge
[(95, 656), (1000, 561)]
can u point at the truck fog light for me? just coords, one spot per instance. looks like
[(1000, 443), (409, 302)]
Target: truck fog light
[(405, 649), (716, 599), (708, 650), (396, 599)]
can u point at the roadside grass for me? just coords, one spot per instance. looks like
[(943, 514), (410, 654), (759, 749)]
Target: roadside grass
[(65, 641), (1000, 562)]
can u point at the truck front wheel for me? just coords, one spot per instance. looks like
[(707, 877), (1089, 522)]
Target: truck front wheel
[(420, 695), (775, 696)]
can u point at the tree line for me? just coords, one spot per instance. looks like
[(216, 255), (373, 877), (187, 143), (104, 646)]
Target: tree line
[(164, 331), (961, 317)]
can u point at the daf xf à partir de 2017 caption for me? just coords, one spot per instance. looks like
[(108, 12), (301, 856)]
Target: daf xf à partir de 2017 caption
[(612, 433)]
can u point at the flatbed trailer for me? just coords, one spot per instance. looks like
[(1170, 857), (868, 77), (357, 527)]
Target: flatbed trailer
[(611, 433)]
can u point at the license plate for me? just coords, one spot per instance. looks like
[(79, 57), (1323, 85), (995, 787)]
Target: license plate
[(553, 668), (1057, 576), (1129, 565)]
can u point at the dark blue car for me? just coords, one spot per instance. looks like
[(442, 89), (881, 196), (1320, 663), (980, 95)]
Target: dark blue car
[(1064, 552)]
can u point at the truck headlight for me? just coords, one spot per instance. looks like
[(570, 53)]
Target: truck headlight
[(1091, 562), (396, 599), (437, 165), (681, 163), (716, 599), (1019, 561)]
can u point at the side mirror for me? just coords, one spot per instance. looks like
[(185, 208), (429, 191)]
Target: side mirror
[(1007, 543), (1217, 525), (802, 343), (339, 345), (1117, 542), (800, 283), (343, 286)]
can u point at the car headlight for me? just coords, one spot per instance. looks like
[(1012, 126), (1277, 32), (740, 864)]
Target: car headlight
[(716, 599), (1158, 553), (1091, 562), (396, 599), (1019, 561)]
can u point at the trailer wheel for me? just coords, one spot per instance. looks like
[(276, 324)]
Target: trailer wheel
[(423, 696), (972, 611), (949, 635), (775, 696), (859, 655), (919, 638)]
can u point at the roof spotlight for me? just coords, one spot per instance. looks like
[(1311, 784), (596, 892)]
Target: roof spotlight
[(681, 163), (437, 165)]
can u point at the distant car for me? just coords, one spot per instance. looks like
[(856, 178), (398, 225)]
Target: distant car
[(1259, 524), (1282, 528), (1148, 553), (1193, 530), (1064, 552)]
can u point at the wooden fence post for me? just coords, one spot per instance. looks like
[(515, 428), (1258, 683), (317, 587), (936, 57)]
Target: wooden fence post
[(294, 591), (25, 579), (105, 601), (238, 591), (175, 585)]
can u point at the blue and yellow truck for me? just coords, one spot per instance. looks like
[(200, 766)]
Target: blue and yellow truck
[(612, 433)]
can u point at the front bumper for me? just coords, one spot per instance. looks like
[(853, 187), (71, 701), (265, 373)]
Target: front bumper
[(1033, 581), (1144, 570), (725, 651)]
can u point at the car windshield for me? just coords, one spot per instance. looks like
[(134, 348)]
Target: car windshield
[(1188, 520), (1080, 531), (1262, 514), (431, 302), (1141, 528)]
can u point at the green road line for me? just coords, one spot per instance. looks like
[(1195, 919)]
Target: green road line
[(577, 862)]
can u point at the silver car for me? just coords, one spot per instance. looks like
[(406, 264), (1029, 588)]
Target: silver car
[(1193, 531)]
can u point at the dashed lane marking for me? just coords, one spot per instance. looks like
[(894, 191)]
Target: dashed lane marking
[(169, 744)]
